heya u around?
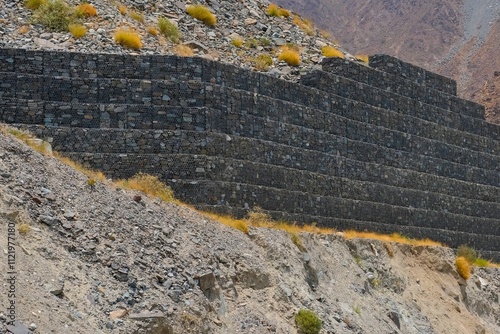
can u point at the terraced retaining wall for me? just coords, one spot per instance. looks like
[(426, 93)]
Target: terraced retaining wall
[(387, 148)]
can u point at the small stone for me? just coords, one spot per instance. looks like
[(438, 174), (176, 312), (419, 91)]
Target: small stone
[(32, 326), (250, 21), (207, 281), (116, 314), (146, 315)]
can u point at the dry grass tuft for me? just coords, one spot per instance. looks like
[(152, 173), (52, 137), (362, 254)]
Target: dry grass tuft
[(463, 267), (275, 10), (77, 30), (148, 184), (289, 56), (183, 51), (202, 13), (331, 52), (395, 237), (86, 9), (237, 41), (152, 31), (364, 58), (122, 9), (24, 228), (304, 25), (128, 39), (139, 17), (238, 224), (262, 62)]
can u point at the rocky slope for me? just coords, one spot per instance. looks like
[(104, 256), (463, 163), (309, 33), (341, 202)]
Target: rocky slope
[(456, 38), (104, 260), (260, 33)]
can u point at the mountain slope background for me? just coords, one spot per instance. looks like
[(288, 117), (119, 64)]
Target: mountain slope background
[(456, 38)]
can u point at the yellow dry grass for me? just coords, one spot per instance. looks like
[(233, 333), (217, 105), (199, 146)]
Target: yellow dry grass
[(257, 218), (275, 10), (139, 17), (148, 184), (331, 52), (152, 31), (304, 25), (202, 14), (183, 50), (86, 9), (122, 9), (128, 39), (463, 267), (363, 58), (289, 56), (395, 237), (77, 30)]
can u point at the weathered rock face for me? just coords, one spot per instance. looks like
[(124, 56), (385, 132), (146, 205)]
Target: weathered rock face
[(107, 263), (388, 148)]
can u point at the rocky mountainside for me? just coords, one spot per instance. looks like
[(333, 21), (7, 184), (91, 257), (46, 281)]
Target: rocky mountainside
[(456, 38), (100, 259)]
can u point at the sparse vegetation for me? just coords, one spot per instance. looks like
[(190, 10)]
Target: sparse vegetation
[(128, 39), (252, 43), (463, 267), (331, 52), (262, 62), (304, 25), (395, 237), (183, 51), (77, 30), (91, 182), (168, 29), (152, 31), (202, 14), (23, 228), (275, 10), (122, 9), (86, 9), (35, 4), (148, 184), (390, 250), (357, 309), (55, 15), (289, 56), (297, 242), (139, 17), (264, 41), (308, 322), (237, 41), (363, 58), (472, 257)]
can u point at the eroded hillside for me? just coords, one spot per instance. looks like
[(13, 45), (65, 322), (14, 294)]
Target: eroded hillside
[(99, 259), (456, 38)]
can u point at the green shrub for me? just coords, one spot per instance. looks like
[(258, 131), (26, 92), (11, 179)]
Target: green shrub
[(468, 253), (308, 322), (168, 29), (56, 15), (202, 13)]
